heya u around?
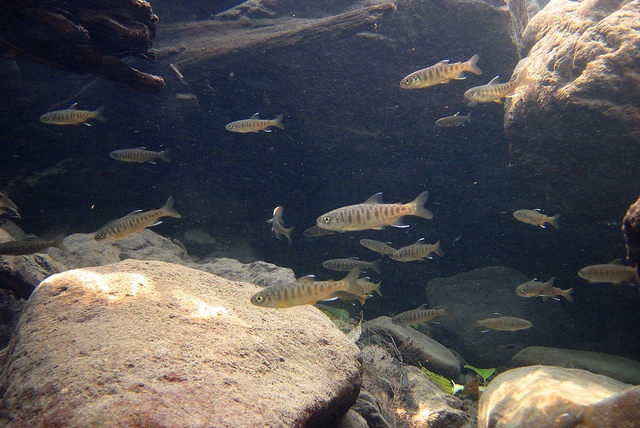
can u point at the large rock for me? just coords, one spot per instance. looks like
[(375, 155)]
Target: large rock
[(613, 366), (533, 397), (142, 343), (583, 108), (479, 294)]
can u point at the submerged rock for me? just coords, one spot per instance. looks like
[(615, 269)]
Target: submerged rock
[(533, 397), (141, 343), (613, 366)]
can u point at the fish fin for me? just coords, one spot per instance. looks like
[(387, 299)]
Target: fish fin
[(460, 76), (352, 285), (549, 281), (498, 101), (544, 298), (567, 294), (553, 221), (375, 266), (255, 116), (420, 241), (266, 130), (73, 106), (468, 118), (485, 331), (307, 278), (444, 61), (472, 64), (399, 223), (419, 209), (438, 250), (375, 199), (523, 78), (494, 81), (472, 104), (156, 223), (168, 207), (457, 114), (287, 233), (98, 114), (84, 123), (164, 155), (278, 121), (152, 162)]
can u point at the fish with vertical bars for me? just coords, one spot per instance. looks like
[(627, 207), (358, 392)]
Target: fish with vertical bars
[(254, 124), (417, 316), (417, 251), (505, 323), (135, 222), (72, 116), (348, 264), (307, 291), (377, 246), (140, 155), (373, 214), (496, 91), (440, 73)]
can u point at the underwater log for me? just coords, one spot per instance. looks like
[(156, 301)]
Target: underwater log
[(82, 36)]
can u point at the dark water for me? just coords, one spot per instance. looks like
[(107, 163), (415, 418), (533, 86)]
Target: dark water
[(350, 132)]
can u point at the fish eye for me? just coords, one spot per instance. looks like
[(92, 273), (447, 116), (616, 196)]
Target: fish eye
[(407, 81), (259, 299), (326, 219), (101, 235)]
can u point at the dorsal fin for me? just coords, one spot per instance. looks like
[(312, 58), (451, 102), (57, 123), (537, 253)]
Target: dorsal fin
[(495, 81), (375, 199), (73, 106), (255, 116)]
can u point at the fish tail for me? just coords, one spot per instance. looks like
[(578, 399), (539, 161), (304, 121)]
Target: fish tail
[(553, 221), (375, 266), (468, 116), (420, 210), (168, 207), (567, 294), (278, 122), (438, 250), (472, 64), (523, 78), (164, 155), (98, 114), (58, 242), (377, 289), (352, 285), (287, 233)]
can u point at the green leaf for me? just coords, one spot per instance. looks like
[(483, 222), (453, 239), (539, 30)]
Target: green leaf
[(444, 383), (483, 373)]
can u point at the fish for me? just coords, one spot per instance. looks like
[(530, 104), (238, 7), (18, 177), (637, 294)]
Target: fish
[(140, 155), (440, 73), (254, 124), (316, 231), (72, 116), (369, 287), (135, 222), (417, 316), (31, 244), (505, 323), (306, 291), (455, 120), (536, 288), (612, 272), (378, 247), (536, 218), (7, 206), (373, 214), (496, 91), (417, 251), (348, 264), (277, 225)]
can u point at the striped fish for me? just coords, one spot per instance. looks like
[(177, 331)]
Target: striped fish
[(315, 232), (613, 272), (277, 225), (455, 120), (505, 323), (140, 154), (442, 72), (306, 291), (30, 245), (378, 247), (7, 206), (135, 222), (535, 288), (254, 124), (369, 287), (72, 116), (496, 91), (536, 218), (373, 214), (348, 264), (417, 316), (417, 251)]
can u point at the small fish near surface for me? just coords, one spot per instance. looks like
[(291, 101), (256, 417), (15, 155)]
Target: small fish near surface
[(440, 73), (378, 247), (140, 155), (453, 121), (306, 291), (7, 206), (535, 288), (417, 251), (505, 323), (277, 225), (417, 316), (494, 91), (536, 218), (31, 245), (373, 214), (348, 264), (135, 222), (72, 116), (613, 272), (254, 124)]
